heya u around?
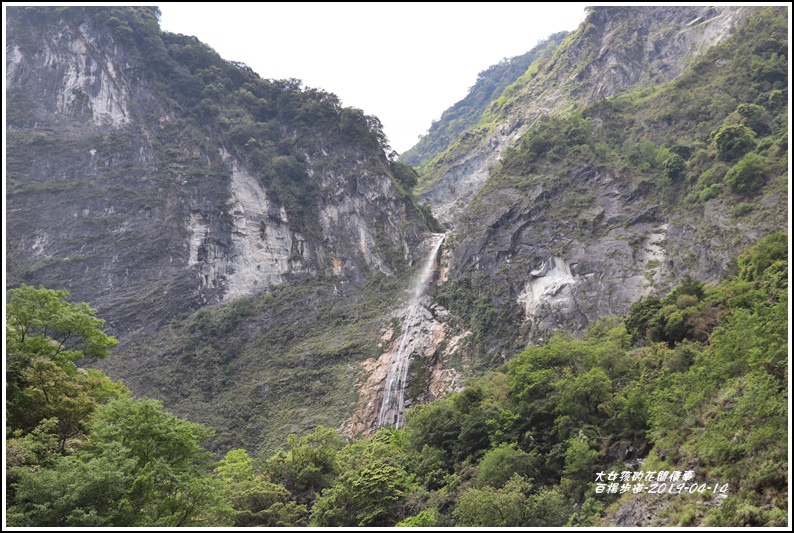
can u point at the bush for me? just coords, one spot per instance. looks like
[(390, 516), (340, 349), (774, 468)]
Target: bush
[(747, 175), (674, 166), (734, 141), (755, 117)]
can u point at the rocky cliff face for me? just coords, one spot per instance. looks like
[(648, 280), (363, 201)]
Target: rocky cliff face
[(551, 199), (249, 244), (614, 51), (119, 195), (170, 189)]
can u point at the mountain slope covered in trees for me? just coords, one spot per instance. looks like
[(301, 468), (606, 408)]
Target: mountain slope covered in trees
[(488, 87), (592, 208), (228, 228), (692, 385)]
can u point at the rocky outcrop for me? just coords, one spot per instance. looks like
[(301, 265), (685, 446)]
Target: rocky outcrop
[(431, 343), (579, 237), (414, 364)]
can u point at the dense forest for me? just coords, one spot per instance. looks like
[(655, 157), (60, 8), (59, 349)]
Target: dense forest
[(694, 383)]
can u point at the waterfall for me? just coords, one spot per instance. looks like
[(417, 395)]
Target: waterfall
[(391, 410)]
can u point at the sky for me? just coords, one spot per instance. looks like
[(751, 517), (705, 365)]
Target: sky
[(405, 63)]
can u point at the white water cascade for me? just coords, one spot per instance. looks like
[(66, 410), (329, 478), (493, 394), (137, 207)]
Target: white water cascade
[(391, 410)]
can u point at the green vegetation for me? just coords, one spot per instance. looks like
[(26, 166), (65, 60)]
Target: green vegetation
[(489, 86), (488, 309), (707, 150), (695, 381), (265, 366), (80, 450)]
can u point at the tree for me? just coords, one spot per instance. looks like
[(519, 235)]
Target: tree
[(755, 117), (516, 504), (40, 322), (257, 501), (366, 496), (142, 467), (45, 337), (746, 176), (425, 518), (69, 401), (171, 485), (753, 263), (674, 166), (585, 396), (640, 316), (405, 175), (310, 464), (499, 464), (734, 141), (579, 471)]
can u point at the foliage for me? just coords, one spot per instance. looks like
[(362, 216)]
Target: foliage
[(82, 451), (519, 447), (769, 253), (695, 379), (674, 166), (486, 307), (500, 463), (371, 489), (42, 323), (310, 463), (142, 467), (256, 500), (406, 176), (746, 176), (488, 88), (512, 506), (734, 141), (46, 337), (423, 519)]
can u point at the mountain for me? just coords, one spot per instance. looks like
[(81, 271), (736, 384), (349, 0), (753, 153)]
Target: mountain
[(256, 251), (153, 179), (609, 171), (467, 112), (616, 50), (596, 335)]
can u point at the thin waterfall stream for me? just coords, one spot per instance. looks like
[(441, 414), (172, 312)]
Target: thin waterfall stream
[(391, 410)]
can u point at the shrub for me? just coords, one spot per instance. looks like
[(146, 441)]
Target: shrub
[(747, 175), (734, 141), (674, 166)]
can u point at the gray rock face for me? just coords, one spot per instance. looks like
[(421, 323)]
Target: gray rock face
[(566, 273), (619, 49), (567, 266), (110, 198)]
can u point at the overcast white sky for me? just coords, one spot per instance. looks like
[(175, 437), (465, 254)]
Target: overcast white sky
[(402, 62)]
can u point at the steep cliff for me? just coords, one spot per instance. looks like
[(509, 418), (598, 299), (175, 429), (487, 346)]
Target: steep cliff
[(252, 245), (468, 112), (615, 51), (151, 178), (605, 173)]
